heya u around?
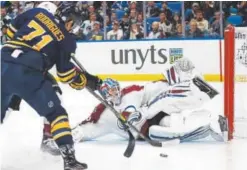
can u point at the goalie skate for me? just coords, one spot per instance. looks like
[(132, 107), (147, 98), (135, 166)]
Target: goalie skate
[(223, 127)]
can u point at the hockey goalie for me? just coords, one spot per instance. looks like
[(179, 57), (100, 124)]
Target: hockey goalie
[(161, 110)]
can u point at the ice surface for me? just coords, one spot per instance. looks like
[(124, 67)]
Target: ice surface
[(21, 136)]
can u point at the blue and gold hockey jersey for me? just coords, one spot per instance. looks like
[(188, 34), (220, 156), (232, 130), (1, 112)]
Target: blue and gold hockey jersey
[(38, 30)]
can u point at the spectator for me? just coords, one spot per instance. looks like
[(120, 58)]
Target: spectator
[(155, 33), (139, 19), (209, 9), (135, 5), (29, 5), (12, 10), (99, 18), (88, 24), (3, 14), (4, 37), (152, 10), (242, 7), (178, 32), (133, 16), (215, 27), (5, 18), (167, 11), (226, 5), (67, 7), (81, 9), (134, 33), (124, 24), (165, 26), (119, 5), (140, 22), (195, 7), (96, 33), (91, 9), (113, 17), (116, 33), (202, 24), (108, 22), (194, 31), (132, 5), (176, 20)]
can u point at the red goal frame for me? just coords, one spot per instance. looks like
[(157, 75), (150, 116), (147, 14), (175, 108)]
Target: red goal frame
[(229, 56)]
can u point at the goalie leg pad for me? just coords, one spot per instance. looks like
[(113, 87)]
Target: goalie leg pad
[(164, 134)]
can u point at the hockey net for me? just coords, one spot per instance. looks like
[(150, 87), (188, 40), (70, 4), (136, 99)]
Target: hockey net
[(235, 81)]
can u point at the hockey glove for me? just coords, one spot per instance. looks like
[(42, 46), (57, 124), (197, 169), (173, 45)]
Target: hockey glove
[(79, 81), (93, 82)]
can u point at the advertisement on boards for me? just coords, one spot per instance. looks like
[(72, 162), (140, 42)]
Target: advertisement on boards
[(147, 59)]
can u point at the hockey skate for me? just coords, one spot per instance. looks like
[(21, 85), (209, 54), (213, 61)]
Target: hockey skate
[(223, 136), (70, 162), (223, 127), (223, 124), (48, 145)]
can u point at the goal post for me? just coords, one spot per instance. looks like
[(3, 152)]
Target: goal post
[(235, 80), (229, 48)]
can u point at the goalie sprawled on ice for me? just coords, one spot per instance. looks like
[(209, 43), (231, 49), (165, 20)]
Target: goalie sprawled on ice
[(161, 110)]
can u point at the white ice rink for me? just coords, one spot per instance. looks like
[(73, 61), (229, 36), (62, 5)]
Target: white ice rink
[(21, 136)]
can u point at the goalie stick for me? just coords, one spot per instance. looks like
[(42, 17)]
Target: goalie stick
[(131, 144), (126, 124)]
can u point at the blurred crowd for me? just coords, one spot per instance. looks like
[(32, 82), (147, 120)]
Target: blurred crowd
[(128, 20)]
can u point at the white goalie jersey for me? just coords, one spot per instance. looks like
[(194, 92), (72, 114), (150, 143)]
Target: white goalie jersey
[(149, 105)]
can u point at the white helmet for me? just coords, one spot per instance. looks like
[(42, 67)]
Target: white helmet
[(49, 6)]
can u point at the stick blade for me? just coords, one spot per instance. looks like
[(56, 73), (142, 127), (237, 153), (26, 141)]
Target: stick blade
[(131, 145)]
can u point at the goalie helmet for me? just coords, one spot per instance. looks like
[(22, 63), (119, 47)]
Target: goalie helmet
[(110, 90)]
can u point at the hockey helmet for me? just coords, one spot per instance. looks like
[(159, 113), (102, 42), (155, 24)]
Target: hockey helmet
[(49, 6), (110, 90)]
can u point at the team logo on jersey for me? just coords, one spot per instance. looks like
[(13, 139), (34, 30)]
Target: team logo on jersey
[(50, 104), (131, 114)]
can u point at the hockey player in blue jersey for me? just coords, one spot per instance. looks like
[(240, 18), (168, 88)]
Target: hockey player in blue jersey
[(40, 41)]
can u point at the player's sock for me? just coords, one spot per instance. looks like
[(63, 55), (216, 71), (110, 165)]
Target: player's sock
[(61, 131)]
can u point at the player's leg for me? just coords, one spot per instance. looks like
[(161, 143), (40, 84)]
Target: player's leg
[(38, 92), (6, 91), (47, 104), (5, 99), (47, 143)]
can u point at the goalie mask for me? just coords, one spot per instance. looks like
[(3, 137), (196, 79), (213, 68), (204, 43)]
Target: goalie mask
[(110, 90)]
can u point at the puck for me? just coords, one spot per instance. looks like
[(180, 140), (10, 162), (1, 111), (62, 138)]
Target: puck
[(163, 155)]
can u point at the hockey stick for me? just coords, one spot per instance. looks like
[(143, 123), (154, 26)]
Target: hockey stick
[(122, 119), (131, 144)]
